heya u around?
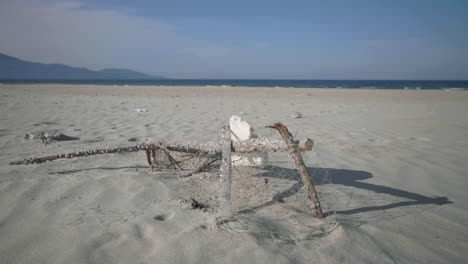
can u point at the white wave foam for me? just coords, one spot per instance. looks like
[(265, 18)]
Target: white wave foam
[(453, 89)]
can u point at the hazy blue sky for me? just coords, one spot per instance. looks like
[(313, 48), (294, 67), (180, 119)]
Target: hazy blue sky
[(407, 39)]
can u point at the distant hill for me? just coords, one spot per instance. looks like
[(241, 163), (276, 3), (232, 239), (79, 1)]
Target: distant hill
[(12, 68)]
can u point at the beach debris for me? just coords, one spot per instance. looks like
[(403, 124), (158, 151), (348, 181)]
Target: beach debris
[(199, 168), (43, 135), (193, 147), (196, 204), (296, 154), (295, 115), (142, 110), (48, 135), (241, 130), (226, 173), (238, 139)]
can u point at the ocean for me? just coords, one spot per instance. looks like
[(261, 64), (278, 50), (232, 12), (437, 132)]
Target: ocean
[(355, 84)]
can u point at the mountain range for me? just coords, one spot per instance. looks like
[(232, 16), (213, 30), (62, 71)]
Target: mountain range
[(12, 68)]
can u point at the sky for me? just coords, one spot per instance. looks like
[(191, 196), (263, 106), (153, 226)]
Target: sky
[(237, 39)]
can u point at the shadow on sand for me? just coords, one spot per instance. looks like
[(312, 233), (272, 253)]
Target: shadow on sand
[(352, 178)]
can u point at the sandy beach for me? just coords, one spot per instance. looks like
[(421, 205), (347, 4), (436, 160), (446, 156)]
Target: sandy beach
[(395, 162)]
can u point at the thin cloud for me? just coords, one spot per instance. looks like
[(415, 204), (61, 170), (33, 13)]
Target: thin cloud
[(67, 32)]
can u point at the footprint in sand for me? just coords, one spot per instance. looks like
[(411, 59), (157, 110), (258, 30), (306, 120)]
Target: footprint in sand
[(143, 231)]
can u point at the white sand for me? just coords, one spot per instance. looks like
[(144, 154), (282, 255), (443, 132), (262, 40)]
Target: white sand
[(398, 161)]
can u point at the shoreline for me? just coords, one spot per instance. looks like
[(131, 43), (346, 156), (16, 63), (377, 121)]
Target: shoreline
[(369, 86), (176, 90)]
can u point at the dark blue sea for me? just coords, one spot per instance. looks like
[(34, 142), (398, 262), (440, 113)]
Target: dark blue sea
[(355, 84)]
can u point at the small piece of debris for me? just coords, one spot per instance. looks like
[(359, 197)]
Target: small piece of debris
[(295, 115), (142, 110), (48, 135), (196, 204)]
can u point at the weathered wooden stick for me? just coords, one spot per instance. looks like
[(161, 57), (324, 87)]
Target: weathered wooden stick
[(148, 158), (225, 195), (153, 155), (246, 146), (294, 150), (78, 154)]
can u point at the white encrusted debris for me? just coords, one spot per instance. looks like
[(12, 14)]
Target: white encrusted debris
[(295, 115), (241, 130)]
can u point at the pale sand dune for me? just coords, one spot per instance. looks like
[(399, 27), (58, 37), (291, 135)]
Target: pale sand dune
[(397, 159)]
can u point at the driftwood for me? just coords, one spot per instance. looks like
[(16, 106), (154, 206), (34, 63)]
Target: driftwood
[(246, 146), (225, 194), (205, 150), (295, 153)]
